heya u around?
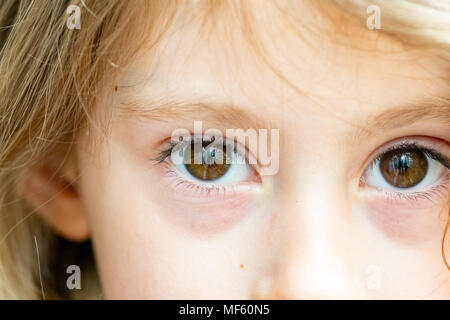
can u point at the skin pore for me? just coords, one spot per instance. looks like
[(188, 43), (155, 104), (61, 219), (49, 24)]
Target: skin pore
[(313, 230)]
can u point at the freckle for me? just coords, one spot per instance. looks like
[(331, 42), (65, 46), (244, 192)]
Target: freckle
[(115, 88), (242, 266)]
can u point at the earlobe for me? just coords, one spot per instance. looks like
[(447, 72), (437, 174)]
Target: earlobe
[(55, 199)]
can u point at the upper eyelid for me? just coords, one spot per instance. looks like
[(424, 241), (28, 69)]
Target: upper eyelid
[(411, 143), (165, 153), (414, 142)]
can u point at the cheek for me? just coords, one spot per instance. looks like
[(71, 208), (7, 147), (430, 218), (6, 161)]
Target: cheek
[(208, 214), (203, 209), (147, 235), (407, 222)]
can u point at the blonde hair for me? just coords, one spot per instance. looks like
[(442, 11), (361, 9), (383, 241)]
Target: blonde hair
[(423, 22), (50, 78)]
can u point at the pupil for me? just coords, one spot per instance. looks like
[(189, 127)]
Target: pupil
[(208, 170), (400, 164), (208, 158)]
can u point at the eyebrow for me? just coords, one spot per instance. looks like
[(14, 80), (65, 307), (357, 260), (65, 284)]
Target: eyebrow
[(217, 113), (406, 115), (237, 116)]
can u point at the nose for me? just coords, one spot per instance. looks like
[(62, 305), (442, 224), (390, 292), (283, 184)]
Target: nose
[(315, 259)]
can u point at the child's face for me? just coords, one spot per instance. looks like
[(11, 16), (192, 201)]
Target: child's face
[(328, 224)]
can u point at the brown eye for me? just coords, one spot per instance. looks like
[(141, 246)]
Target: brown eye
[(404, 169), (209, 169)]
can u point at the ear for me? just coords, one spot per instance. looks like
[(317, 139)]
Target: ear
[(51, 190)]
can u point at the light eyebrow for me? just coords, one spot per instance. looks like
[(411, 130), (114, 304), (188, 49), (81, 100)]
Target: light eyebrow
[(216, 113), (406, 115), (221, 114)]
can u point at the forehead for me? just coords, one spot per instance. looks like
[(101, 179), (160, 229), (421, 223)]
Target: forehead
[(307, 60)]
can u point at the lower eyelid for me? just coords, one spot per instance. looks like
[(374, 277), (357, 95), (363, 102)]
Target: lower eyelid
[(202, 191), (436, 193), (198, 190)]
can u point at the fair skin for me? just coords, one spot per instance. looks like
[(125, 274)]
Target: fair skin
[(312, 230)]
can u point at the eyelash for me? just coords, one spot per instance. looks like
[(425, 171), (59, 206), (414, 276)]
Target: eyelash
[(198, 188), (414, 146), (436, 192), (164, 154)]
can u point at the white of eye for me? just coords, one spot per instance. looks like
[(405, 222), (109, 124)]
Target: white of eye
[(375, 178), (238, 171)]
